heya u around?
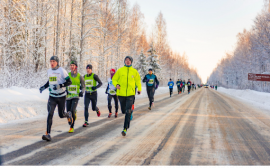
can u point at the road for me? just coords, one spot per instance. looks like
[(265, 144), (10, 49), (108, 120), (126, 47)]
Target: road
[(203, 128)]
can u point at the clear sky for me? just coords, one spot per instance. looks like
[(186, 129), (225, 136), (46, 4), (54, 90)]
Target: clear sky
[(204, 29)]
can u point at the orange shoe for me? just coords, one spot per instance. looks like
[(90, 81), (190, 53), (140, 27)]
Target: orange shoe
[(98, 113)]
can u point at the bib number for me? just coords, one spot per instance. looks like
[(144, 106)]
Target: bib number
[(170, 84), (53, 80), (112, 92), (151, 81), (89, 85), (72, 89)]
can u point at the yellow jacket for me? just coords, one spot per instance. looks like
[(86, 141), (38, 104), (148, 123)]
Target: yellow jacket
[(127, 78)]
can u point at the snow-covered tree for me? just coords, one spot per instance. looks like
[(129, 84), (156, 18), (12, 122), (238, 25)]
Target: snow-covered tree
[(141, 65), (152, 60)]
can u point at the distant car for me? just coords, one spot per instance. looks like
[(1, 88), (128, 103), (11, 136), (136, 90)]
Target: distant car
[(206, 86)]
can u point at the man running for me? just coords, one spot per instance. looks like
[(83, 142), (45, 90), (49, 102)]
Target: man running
[(111, 91), (151, 85), (125, 80), (216, 87), (91, 87), (171, 84), (192, 86), (75, 91), (57, 83), (178, 83), (183, 86), (189, 85)]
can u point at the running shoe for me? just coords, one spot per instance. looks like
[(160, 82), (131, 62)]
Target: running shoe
[(149, 108), (98, 113), (85, 124), (110, 114), (69, 117), (124, 132), (46, 137), (116, 114), (71, 130)]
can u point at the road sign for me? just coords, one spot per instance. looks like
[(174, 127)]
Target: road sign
[(259, 77)]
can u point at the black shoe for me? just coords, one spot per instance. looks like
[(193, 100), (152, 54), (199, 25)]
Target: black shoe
[(69, 118), (46, 137), (124, 132)]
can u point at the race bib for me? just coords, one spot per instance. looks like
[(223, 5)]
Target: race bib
[(178, 83), (171, 84), (72, 89), (53, 80), (112, 92), (89, 85), (151, 81), (189, 84)]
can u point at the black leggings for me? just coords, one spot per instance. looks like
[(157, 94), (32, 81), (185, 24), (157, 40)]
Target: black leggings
[(189, 87), (87, 98), (110, 97), (126, 104), (171, 91), (150, 93), (71, 106), (52, 103)]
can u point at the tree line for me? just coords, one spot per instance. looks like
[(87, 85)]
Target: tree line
[(97, 32), (251, 55)]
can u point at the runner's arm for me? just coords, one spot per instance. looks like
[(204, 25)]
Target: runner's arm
[(82, 84), (144, 79), (98, 80), (157, 82), (46, 85)]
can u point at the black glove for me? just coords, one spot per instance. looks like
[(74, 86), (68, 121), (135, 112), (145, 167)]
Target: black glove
[(81, 94), (94, 88), (41, 89), (56, 87)]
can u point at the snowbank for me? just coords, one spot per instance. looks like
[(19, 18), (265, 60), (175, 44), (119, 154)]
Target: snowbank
[(260, 99), (19, 103)]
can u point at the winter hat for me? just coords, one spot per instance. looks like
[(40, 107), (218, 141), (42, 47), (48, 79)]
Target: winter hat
[(150, 69), (130, 58), (89, 66), (73, 62), (55, 58), (113, 70)]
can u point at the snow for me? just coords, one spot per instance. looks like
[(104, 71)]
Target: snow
[(255, 98), (17, 103)]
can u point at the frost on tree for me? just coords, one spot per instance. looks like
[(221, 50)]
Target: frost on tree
[(153, 60), (141, 65)]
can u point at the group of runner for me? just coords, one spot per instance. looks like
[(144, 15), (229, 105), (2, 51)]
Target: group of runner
[(65, 89), (181, 86)]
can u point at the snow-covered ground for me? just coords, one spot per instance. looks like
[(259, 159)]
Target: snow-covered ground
[(20, 104), (254, 98)]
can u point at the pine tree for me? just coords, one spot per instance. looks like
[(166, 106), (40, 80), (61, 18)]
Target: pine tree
[(142, 65), (153, 60)]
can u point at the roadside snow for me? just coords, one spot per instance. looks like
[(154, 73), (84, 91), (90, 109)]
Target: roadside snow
[(259, 99), (18, 103)]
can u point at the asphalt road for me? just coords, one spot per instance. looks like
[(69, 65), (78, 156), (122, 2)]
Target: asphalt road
[(202, 128)]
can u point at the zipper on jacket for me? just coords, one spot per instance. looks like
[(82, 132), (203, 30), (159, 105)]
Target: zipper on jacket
[(127, 80)]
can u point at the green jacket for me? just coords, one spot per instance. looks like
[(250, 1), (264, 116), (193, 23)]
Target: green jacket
[(127, 78)]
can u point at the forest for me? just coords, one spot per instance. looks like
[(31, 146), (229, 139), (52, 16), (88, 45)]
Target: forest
[(97, 32)]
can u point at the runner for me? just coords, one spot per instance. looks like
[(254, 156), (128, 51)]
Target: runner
[(189, 85), (184, 86), (151, 85), (125, 80), (111, 91), (171, 84), (178, 83), (216, 87), (91, 87), (181, 85), (192, 86), (75, 91), (57, 83)]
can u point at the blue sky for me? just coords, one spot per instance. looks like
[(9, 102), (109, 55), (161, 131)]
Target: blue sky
[(204, 29)]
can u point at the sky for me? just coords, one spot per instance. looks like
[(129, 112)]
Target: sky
[(204, 29)]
